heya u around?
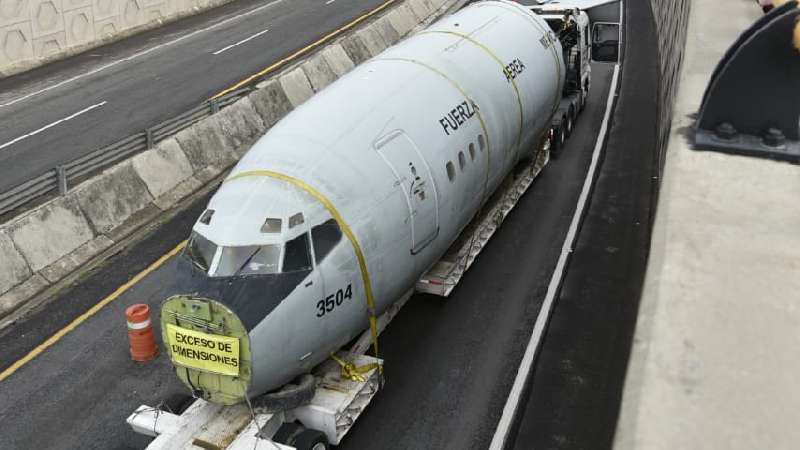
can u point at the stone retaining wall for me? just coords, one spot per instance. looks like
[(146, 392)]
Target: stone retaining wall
[(672, 21), (34, 32)]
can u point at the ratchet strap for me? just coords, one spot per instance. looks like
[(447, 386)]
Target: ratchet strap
[(353, 372)]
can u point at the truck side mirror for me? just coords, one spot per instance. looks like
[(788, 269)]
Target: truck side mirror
[(605, 42)]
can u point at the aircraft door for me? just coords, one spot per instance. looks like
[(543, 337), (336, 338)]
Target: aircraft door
[(413, 175)]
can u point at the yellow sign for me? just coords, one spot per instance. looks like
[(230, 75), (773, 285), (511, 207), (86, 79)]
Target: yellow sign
[(203, 351)]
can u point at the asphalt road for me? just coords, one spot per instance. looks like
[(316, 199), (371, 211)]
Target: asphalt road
[(450, 363), (56, 113), (574, 394)]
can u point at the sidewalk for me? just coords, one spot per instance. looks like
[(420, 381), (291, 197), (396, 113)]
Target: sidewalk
[(715, 362)]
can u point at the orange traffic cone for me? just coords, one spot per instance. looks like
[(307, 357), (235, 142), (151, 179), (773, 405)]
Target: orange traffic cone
[(140, 333)]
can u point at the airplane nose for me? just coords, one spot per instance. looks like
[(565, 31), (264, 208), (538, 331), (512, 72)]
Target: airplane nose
[(209, 347)]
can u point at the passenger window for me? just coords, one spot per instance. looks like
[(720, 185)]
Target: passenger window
[(481, 142), (297, 256), (472, 151), (451, 171), (325, 237), (462, 161)]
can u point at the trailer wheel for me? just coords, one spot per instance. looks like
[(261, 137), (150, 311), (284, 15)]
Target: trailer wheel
[(569, 121), (587, 85), (288, 397), (311, 440), (557, 141)]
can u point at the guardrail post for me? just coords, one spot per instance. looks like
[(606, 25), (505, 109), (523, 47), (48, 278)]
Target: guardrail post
[(214, 106), (61, 174), (149, 135)]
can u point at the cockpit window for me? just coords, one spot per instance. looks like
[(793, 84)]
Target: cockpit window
[(201, 251), (325, 236), (297, 255), (250, 260)]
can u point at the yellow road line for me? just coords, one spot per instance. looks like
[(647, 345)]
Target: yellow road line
[(92, 311), (304, 50)]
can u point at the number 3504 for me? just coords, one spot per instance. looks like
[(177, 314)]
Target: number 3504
[(332, 301)]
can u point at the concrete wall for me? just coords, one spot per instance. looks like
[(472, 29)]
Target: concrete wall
[(33, 32), (41, 247), (672, 20)]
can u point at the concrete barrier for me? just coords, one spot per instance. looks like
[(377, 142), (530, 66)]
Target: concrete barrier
[(50, 233), (33, 33), (270, 102), (241, 125), (110, 199), (49, 243), (372, 39), (163, 168), (384, 27), (355, 49), (319, 72), (15, 268), (402, 19), (296, 86), (337, 59), (206, 148), (421, 9)]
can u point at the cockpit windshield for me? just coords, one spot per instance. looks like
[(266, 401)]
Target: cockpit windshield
[(201, 251), (251, 260), (218, 261)]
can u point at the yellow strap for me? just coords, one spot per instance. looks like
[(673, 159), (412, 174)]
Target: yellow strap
[(345, 229), (353, 372)]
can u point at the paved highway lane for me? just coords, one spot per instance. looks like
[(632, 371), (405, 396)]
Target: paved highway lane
[(56, 113), (450, 362)]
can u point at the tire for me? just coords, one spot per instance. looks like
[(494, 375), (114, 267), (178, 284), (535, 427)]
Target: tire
[(557, 143), (311, 440), (571, 116), (585, 96), (288, 397), (568, 125)]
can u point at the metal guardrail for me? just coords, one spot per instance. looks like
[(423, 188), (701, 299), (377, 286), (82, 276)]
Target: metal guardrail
[(58, 179)]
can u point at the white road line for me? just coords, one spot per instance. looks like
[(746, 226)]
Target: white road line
[(240, 42), (34, 133), (329, 2), (512, 404), (141, 53)]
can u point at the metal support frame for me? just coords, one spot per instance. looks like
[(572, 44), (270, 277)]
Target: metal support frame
[(752, 103), (149, 136), (61, 175)]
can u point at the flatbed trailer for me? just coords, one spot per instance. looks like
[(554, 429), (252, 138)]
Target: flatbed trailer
[(443, 277)]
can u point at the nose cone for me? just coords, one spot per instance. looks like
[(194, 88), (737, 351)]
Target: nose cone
[(209, 346)]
